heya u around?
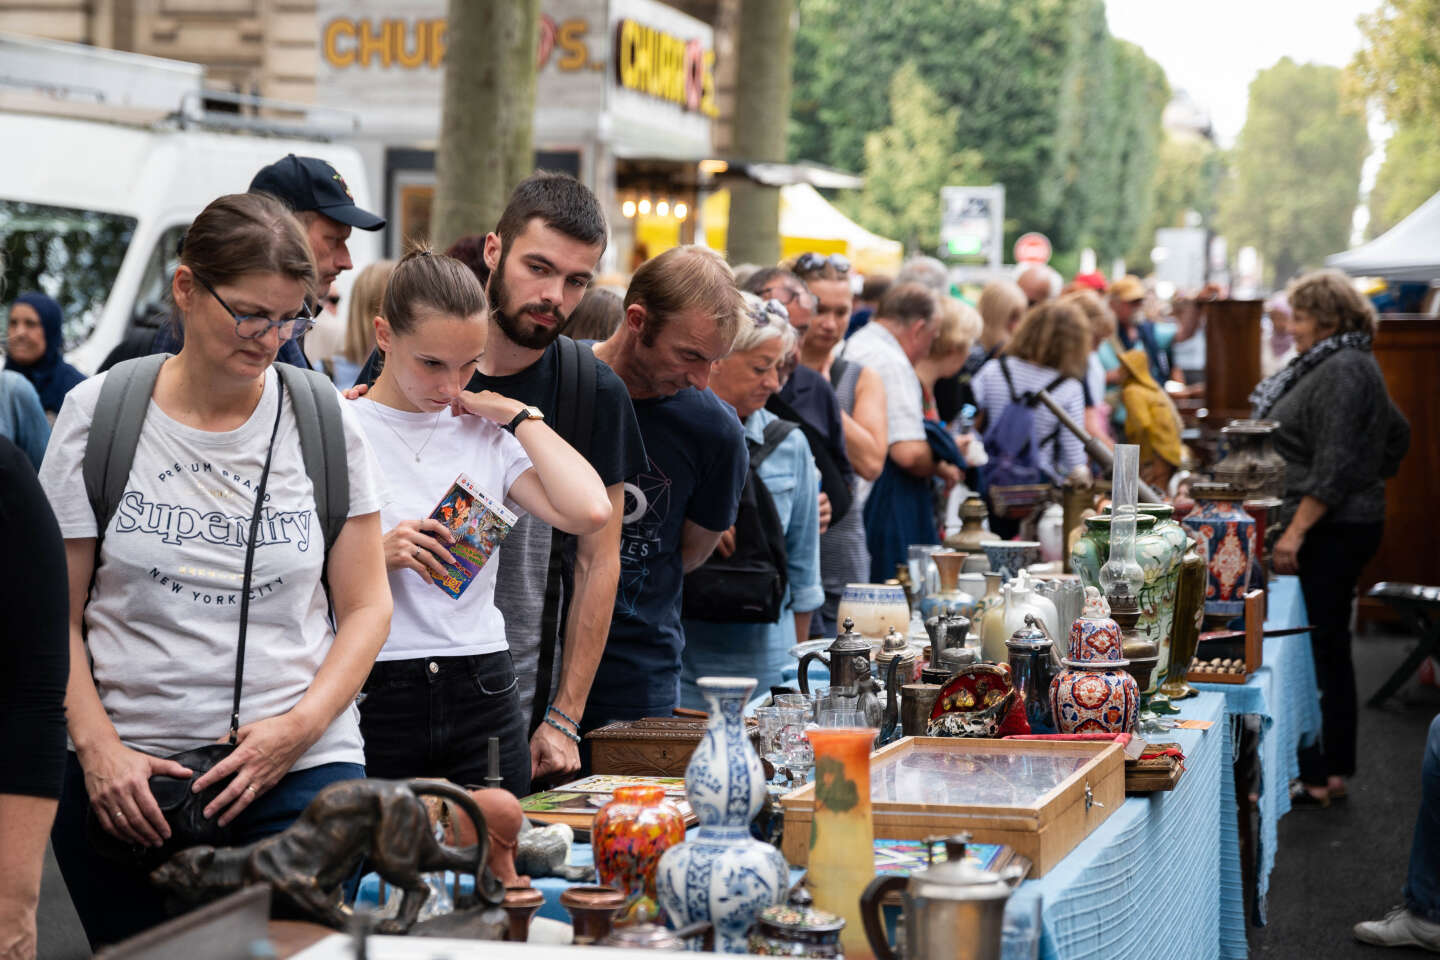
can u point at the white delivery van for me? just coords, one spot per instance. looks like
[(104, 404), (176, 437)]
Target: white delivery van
[(92, 205)]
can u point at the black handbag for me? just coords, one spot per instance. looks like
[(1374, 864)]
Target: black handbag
[(183, 809)]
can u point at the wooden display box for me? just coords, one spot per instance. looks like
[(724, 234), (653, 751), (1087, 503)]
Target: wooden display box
[(1254, 646), (653, 747), (1002, 804)]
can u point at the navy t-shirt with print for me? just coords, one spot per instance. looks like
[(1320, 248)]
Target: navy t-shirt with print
[(697, 463)]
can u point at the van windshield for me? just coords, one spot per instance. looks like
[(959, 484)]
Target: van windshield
[(72, 255)]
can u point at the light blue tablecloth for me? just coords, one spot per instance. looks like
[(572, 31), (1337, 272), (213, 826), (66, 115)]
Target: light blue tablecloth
[(1283, 693), (1144, 884)]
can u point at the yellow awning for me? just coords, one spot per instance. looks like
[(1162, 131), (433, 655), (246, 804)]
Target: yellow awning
[(808, 223)]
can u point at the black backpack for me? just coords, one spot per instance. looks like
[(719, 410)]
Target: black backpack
[(749, 585)]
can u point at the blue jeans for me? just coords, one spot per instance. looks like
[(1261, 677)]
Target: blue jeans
[(115, 900), (434, 716), (1422, 886)]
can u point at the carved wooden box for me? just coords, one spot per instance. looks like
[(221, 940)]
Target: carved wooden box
[(653, 747)]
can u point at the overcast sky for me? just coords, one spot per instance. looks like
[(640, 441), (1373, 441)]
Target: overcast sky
[(1213, 49)]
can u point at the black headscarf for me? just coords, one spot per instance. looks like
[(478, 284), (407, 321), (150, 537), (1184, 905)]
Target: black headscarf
[(51, 375)]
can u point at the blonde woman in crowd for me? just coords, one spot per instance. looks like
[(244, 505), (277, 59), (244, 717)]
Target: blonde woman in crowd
[(366, 295)]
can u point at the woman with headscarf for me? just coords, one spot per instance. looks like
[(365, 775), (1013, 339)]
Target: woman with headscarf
[(35, 341), (1341, 436)]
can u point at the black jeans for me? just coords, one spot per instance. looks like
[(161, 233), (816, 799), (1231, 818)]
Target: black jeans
[(434, 717), (1331, 559), (116, 901)]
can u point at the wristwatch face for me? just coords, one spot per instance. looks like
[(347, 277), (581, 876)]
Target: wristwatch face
[(534, 413)]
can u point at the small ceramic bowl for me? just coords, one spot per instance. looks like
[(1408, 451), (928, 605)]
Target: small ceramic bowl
[(1008, 557)]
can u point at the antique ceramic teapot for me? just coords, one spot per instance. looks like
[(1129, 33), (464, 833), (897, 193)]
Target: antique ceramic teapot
[(951, 909), (848, 661)]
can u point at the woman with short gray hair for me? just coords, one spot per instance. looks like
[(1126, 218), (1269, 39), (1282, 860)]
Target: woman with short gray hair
[(755, 643), (1341, 437)]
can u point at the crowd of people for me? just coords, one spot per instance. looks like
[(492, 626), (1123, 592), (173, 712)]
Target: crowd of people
[(689, 475)]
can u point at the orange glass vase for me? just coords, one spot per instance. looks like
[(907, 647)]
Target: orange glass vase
[(628, 836), (842, 835)]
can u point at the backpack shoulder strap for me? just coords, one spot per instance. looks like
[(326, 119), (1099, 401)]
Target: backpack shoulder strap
[(775, 433), (1009, 384), (1033, 398), (586, 383), (115, 432), (322, 444), (838, 366)]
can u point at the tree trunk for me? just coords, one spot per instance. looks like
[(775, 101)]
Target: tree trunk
[(762, 119), (488, 116)]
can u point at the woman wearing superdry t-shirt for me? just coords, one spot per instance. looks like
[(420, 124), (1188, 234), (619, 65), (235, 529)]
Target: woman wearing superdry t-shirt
[(445, 684), (153, 649)]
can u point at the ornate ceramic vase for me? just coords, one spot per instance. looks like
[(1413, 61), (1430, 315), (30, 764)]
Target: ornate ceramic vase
[(1161, 554), (1094, 694), (875, 608), (1229, 534), (721, 874), (842, 839), (1189, 610), (629, 835), (1159, 544), (950, 597)]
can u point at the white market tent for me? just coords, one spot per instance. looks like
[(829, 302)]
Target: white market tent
[(1410, 250)]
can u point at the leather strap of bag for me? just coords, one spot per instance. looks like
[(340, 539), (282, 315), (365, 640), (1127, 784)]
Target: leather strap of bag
[(250, 562)]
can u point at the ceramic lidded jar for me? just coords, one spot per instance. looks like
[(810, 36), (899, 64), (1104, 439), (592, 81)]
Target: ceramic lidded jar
[(797, 929), (720, 874), (1229, 534), (629, 835), (1094, 694)]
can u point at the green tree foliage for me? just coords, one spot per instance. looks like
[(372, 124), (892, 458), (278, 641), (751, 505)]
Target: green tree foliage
[(1400, 63), (1408, 177), (1399, 70), (1188, 175), (908, 162), (1296, 168), (1060, 112)]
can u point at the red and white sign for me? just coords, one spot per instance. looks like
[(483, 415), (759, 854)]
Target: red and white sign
[(1032, 248)]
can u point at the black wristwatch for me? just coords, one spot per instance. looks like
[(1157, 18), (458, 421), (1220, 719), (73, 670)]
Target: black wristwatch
[(528, 413)]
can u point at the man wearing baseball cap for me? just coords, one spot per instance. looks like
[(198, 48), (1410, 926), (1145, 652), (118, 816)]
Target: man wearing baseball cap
[(1127, 298), (324, 205), (321, 201)]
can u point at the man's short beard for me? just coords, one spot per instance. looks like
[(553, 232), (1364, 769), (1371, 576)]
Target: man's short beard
[(508, 319)]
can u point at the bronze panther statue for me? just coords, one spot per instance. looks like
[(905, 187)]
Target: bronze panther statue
[(379, 822)]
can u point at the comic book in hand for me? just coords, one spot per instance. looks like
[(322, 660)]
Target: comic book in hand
[(478, 522)]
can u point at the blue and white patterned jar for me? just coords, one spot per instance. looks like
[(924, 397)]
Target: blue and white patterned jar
[(722, 875)]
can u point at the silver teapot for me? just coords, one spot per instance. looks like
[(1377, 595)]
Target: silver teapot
[(952, 910)]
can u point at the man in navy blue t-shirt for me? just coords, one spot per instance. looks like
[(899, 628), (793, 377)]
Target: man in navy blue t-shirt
[(681, 313)]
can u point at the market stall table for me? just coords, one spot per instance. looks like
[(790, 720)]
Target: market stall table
[(1283, 693)]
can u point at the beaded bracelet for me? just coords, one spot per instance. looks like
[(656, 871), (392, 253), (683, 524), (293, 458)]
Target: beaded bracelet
[(563, 715), (574, 737)]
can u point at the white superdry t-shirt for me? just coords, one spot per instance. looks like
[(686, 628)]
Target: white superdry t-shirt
[(163, 620), (427, 621)]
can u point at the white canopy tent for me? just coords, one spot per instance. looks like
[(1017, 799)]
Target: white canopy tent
[(1410, 250)]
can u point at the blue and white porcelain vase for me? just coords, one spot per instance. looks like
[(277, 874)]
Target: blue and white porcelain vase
[(721, 874)]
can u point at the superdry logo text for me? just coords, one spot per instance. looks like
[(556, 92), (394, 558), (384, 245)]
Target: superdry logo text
[(177, 524)]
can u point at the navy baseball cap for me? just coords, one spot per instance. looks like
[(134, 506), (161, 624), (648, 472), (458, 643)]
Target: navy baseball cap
[(309, 183)]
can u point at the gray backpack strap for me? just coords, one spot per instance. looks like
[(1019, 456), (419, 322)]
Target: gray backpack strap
[(322, 445), (115, 432)]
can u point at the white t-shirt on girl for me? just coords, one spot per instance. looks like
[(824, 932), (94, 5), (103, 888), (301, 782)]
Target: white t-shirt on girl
[(427, 621), (163, 621)]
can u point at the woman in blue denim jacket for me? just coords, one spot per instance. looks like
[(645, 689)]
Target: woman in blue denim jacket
[(764, 351)]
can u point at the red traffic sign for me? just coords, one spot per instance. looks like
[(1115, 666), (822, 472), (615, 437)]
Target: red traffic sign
[(1032, 248)]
